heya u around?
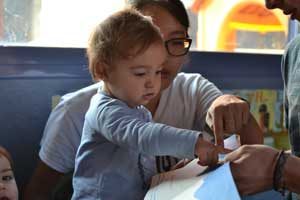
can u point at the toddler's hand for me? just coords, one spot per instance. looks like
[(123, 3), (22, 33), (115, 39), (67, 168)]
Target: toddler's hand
[(208, 152), (181, 164)]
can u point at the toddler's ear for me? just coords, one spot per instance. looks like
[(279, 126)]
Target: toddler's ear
[(102, 71)]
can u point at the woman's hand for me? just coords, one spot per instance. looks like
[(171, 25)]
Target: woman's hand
[(252, 168), (227, 114)]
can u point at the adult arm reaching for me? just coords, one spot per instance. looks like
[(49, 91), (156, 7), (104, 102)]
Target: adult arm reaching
[(253, 169)]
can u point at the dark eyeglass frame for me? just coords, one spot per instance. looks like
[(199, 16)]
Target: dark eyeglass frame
[(189, 40)]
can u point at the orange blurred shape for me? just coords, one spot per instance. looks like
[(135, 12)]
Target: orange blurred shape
[(199, 5)]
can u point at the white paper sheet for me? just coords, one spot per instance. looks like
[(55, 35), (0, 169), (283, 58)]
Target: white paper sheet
[(231, 142), (216, 185), (184, 183)]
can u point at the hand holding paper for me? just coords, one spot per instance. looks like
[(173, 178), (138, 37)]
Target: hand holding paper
[(184, 183)]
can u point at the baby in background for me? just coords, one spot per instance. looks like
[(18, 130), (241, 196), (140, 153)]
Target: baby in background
[(8, 186), (116, 156)]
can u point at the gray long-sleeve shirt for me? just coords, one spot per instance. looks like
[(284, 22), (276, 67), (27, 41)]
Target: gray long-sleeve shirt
[(117, 148)]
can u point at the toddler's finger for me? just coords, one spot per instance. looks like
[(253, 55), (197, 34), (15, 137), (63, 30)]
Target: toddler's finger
[(223, 150)]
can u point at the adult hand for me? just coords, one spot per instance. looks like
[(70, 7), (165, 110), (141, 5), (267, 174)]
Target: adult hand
[(227, 114), (252, 168), (251, 133)]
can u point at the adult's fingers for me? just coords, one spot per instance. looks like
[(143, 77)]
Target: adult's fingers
[(218, 128), (246, 114), (214, 158), (223, 150), (229, 119), (232, 156), (238, 118)]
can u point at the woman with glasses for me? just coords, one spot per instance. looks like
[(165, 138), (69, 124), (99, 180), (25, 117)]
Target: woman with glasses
[(184, 101)]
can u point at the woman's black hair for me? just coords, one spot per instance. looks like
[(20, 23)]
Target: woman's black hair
[(174, 7)]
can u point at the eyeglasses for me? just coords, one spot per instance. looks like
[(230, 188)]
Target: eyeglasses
[(178, 46)]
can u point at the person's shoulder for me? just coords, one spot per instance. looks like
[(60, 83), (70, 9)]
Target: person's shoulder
[(103, 101), (182, 77), (185, 85), (190, 86), (296, 40), (80, 97), (186, 80), (291, 55), (83, 92), (108, 109), (294, 46), (103, 98)]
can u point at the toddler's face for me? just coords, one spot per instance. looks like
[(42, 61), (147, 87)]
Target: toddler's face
[(137, 80), (8, 186)]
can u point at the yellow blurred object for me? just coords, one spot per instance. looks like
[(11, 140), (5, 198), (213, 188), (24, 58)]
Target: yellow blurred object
[(256, 27), (281, 140), (55, 100)]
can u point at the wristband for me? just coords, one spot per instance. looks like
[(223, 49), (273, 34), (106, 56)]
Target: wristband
[(278, 179)]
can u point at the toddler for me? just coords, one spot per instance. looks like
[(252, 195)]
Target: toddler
[(116, 156)]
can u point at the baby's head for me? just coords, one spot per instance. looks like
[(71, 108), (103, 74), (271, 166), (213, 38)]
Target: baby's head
[(126, 51), (8, 186)]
